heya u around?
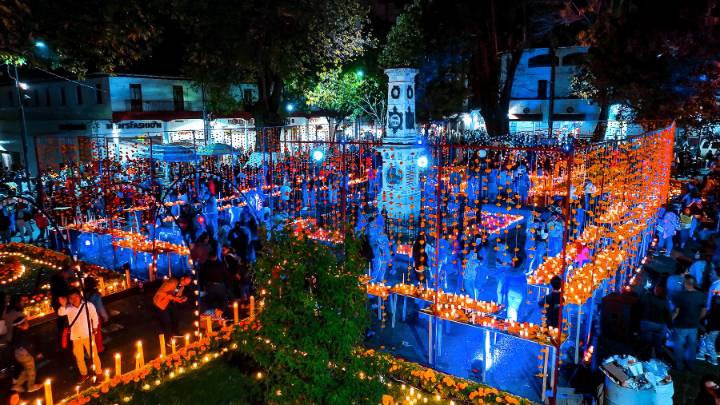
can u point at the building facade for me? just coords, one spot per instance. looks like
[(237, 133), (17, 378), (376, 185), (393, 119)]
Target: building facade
[(105, 115)]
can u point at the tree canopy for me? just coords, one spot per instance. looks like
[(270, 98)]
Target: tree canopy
[(336, 95), (662, 62), (77, 36), (270, 42), (312, 325)]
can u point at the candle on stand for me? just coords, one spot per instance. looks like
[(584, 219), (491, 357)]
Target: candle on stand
[(172, 344), (252, 307), (77, 391), (162, 346), (48, 392), (236, 315), (106, 383), (140, 354), (118, 365)]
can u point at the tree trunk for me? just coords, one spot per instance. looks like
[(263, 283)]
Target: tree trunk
[(266, 113), (604, 101), (492, 91)]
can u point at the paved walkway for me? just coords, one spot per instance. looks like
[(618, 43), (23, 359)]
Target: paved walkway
[(131, 320)]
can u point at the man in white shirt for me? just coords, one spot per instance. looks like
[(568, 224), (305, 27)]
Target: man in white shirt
[(77, 311)]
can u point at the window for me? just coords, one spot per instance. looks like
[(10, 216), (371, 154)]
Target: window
[(78, 94), (178, 98), (47, 97), (11, 98), (63, 97), (542, 89), (136, 97), (247, 96), (98, 93), (542, 61), (573, 59)]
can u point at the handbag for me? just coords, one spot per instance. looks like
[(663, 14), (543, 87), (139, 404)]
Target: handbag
[(64, 339)]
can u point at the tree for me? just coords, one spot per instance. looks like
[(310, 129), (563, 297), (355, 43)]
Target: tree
[(77, 36), (313, 323), (337, 95), (662, 62), (373, 102), (270, 42), (475, 45)]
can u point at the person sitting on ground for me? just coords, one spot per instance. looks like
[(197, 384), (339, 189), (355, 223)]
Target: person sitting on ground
[(709, 393)]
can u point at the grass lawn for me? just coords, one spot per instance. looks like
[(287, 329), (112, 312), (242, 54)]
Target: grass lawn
[(217, 382)]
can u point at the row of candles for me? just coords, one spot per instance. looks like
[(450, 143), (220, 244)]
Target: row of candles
[(444, 301), (140, 363)]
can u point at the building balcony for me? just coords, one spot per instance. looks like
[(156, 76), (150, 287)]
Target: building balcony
[(157, 105)]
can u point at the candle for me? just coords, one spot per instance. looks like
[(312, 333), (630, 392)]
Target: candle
[(140, 355), (106, 383), (187, 339), (208, 325), (77, 391), (118, 365), (48, 392), (252, 307), (172, 344), (127, 279), (162, 346), (236, 316)]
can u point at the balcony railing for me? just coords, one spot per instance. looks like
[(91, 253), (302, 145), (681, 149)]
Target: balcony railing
[(157, 105)]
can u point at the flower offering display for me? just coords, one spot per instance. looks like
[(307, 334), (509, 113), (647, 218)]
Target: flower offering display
[(33, 266)]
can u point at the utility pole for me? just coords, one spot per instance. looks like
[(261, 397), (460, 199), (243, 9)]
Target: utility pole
[(551, 103), (23, 126)]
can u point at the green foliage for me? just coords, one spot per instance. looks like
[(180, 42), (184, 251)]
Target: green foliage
[(270, 42), (337, 94), (79, 35), (313, 321), (404, 46), (660, 61)]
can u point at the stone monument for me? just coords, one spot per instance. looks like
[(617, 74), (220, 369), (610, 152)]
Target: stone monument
[(401, 151)]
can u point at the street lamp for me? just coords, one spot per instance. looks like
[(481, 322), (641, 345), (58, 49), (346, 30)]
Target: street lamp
[(289, 107), (40, 44), (360, 73)]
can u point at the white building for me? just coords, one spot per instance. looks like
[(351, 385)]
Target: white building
[(530, 95), (104, 115)]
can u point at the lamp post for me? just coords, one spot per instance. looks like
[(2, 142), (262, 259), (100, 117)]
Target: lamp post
[(23, 124)]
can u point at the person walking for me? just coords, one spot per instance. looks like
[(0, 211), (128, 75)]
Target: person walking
[(712, 330), (169, 293), (83, 320), (655, 319), (23, 350), (689, 310), (668, 226)]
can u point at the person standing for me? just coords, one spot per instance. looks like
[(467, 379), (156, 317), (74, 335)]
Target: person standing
[(655, 318), (669, 224), (551, 303), (712, 329), (689, 310), (23, 350), (83, 320), (169, 293)]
